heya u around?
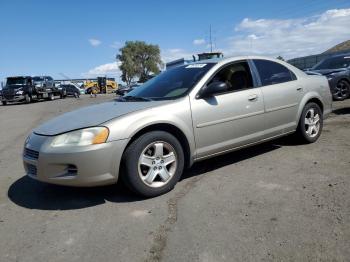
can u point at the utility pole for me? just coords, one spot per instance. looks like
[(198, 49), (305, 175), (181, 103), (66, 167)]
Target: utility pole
[(211, 42)]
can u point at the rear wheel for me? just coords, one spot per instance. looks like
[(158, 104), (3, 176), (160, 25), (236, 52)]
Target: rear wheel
[(310, 123), (153, 163), (63, 94), (341, 90), (28, 98)]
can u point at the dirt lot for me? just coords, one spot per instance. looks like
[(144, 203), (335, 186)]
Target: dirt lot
[(274, 202)]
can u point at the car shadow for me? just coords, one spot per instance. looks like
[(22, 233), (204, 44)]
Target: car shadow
[(342, 111), (217, 162), (31, 194)]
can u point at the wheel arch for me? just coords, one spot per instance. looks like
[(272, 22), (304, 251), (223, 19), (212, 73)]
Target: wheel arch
[(312, 98), (316, 101), (343, 78), (172, 129)]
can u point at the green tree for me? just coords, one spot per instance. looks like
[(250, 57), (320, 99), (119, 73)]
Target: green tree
[(280, 58), (139, 60)]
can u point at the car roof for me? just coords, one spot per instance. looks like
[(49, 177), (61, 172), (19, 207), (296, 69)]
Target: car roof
[(339, 55), (223, 61), (236, 58)]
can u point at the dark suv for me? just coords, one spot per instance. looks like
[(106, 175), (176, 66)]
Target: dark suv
[(70, 90), (337, 71)]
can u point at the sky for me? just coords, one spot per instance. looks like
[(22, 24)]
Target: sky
[(80, 39)]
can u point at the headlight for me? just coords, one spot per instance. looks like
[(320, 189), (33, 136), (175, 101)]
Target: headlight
[(82, 137), (19, 92)]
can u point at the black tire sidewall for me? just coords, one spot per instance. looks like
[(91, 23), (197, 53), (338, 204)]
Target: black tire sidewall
[(335, 98), (130, 163), (28, 98), (301, 127)]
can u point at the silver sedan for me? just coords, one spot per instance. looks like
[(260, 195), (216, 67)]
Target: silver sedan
[(185, 114)]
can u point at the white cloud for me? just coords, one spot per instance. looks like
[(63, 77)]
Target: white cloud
[(290, 37), (116, 45), (94, 42), (273, 37), (174, 53), (199, 41), (109, 69)]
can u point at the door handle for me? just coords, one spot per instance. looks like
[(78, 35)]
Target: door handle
[(299, 89), (253, 97)]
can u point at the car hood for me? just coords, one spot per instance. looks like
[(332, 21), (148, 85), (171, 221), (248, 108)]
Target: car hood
[(325, 71), (91, 116)]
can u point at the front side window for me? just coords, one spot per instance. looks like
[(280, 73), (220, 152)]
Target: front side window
[(272, 73), (237, 76)]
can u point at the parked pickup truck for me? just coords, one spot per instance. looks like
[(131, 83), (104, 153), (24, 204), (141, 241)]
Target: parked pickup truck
[(27, 88)]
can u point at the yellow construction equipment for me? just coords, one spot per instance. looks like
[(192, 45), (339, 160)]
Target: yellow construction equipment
[(102, 85)]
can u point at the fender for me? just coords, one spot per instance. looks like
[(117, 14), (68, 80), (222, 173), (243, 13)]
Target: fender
[(307, 97), (180, 118)]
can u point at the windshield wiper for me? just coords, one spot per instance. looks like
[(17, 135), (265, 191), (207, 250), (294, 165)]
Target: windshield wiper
[(135, 98)]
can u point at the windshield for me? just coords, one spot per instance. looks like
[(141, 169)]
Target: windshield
[(334, 63), (172, 83), (15, 82), (38, 79)]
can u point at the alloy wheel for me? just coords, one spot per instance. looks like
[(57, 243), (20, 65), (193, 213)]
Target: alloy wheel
[(157, 164), (312, 123), (341, 90)]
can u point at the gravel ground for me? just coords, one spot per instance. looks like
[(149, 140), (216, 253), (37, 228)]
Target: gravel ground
[(278, 201)]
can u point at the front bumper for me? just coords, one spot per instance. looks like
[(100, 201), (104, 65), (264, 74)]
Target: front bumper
[(81, 166), (15, 98)]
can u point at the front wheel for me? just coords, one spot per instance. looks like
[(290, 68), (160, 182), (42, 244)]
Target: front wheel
[(4, 103), (310, 123), (153, 163)]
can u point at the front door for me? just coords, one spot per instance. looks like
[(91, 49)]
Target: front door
[(231, 119)]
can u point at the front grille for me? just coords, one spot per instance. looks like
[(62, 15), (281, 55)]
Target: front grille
[(31, 170), (8, 97), (8, 94), (29, 153)]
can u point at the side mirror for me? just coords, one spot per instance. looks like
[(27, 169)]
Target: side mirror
[(213, 88)]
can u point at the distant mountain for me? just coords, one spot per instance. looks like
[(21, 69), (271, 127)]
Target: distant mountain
[(345, 46)]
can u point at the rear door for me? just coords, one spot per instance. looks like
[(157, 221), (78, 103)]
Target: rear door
[(231, 119), (282, 95)]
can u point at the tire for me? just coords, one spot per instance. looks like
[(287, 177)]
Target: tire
[(341, 90), (63, 94), (51, 97), (28, 98), (4, 103), (310, 124), (156, 177)]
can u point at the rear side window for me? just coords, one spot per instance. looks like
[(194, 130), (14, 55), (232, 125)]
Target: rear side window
[(272, 73)]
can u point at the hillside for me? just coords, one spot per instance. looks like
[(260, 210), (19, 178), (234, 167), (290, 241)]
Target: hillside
[(344, 46)]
